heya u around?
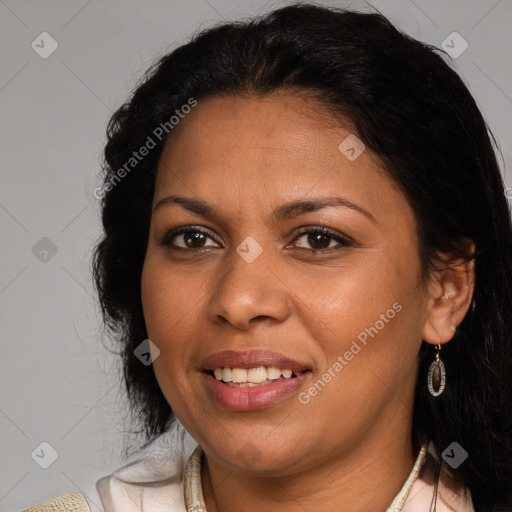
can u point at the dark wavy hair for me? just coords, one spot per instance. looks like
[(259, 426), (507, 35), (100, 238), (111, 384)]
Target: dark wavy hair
[(410, 108)]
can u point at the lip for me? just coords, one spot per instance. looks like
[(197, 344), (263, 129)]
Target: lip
[(254, 397), (251, 359)]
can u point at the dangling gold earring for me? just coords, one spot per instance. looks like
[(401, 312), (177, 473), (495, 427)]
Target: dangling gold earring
[(436, 375)]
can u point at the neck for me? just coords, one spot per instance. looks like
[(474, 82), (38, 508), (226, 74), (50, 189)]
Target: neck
[(367, 478)]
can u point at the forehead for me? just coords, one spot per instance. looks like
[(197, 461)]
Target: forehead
[(279, 145), (282, 120)]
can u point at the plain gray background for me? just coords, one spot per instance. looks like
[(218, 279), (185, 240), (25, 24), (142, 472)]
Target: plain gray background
[(58, 383)]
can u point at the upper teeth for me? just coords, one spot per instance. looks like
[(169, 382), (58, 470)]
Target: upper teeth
[(254, 375)]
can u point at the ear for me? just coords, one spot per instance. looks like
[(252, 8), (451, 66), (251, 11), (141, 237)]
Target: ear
[(450, 291)]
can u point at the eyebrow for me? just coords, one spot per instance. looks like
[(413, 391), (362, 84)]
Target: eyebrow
[(283, 212)]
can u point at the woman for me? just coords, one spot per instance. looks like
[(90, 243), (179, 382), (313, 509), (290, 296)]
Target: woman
[(306, 233)]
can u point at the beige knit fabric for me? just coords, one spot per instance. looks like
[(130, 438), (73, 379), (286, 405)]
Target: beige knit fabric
[(72, 502), (398, 503), (192, 487)]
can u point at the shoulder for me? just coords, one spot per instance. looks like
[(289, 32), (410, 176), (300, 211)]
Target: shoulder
[(152, 480), (71, 502)]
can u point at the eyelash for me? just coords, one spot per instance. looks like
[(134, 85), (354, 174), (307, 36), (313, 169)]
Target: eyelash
[(344, 241)]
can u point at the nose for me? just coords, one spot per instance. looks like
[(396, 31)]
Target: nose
[(247, 294)]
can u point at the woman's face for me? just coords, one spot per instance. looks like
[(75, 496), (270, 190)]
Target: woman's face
[(256, 285)]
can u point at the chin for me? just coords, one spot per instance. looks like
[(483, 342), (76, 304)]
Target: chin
[(256, 453)]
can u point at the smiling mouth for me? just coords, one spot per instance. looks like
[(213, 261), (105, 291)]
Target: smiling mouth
[(252, 377)]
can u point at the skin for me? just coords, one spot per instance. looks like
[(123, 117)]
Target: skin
[(351, 445)]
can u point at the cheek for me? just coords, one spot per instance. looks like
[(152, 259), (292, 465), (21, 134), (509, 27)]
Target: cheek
[(168, 302), (353, 298), (168, 298), (370, 318)]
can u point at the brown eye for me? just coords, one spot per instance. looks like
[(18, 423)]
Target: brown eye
[(190, 238), (320, 239)]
